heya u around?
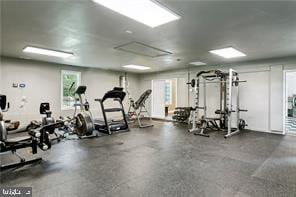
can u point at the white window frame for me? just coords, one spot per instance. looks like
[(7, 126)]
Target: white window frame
[(171, 91), (63, 72)]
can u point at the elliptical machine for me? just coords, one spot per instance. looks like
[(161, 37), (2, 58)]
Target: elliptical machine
[(81, 123)]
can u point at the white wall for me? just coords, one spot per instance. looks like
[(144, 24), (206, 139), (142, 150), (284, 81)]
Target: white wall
[(0, 75), (43, 81), (261, 95), (291, 84)]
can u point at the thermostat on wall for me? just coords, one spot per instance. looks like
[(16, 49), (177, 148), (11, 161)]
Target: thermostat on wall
[(22, 85)]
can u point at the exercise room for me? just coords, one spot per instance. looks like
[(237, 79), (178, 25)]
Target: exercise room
[(154, 98)]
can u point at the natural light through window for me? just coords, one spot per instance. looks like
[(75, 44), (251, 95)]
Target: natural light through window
[(68, 78), (168, 92)]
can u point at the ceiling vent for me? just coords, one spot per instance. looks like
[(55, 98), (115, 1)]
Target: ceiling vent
[(142, 49)]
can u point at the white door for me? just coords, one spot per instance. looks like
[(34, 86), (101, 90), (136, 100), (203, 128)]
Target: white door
[(182, 93), (276, 99), (158, 103)]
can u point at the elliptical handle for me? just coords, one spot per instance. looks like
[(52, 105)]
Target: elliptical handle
[(7, 107), (73, 83)]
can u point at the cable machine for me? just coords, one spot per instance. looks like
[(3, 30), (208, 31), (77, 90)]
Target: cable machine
[(228, 111)]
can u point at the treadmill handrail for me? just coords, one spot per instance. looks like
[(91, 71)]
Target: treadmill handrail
[(113, 109), (116, 93)]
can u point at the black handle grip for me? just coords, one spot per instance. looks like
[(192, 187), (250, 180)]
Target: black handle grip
[(71, 86)]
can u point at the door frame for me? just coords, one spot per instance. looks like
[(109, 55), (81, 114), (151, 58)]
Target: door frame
[(152, 103), (285, 97), (173, 78)]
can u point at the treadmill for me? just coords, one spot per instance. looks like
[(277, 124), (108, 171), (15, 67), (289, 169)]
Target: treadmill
[(109, 126)]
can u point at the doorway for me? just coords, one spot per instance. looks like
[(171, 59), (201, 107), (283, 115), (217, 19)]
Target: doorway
[(164, 98), (170, 97), (290, 103)]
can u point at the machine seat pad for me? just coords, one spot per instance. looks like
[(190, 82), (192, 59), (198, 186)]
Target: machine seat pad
[(18, 139)]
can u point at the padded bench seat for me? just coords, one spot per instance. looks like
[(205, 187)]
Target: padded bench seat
[(18, 139)]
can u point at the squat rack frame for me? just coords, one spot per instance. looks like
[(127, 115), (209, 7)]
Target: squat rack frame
[(228, 81)]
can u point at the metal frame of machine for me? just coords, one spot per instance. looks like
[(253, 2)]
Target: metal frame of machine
[(138, 107), (228, 82), (35, 138), (110, 127), (81, 123)]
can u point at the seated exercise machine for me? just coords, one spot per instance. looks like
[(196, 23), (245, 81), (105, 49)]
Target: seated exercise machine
[(47, 119), (35, 138), (110, 127), (229, 81), (137, 108), (12, 125), (44, 109), (81, 123)]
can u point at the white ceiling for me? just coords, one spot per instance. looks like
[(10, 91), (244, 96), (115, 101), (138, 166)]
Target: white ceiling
[(260, 29)]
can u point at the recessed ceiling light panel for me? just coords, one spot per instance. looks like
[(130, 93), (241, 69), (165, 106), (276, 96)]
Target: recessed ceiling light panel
[(48, 52), (197, 63), (137, 67), (147, 12), (228, 52)]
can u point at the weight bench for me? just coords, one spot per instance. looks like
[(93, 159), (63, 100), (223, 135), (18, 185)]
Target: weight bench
[(207, 123)]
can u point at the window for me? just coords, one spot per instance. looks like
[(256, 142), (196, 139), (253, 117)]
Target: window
[(168, 92), (68, 78)]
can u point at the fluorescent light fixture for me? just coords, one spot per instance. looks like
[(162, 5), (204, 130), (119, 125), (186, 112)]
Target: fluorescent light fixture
[(198, 63), (128, 31), (228, 52), (138, 67), (47, 52), (147, 12)]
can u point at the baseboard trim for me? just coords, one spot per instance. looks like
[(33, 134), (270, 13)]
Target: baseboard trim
[(271, 132)]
